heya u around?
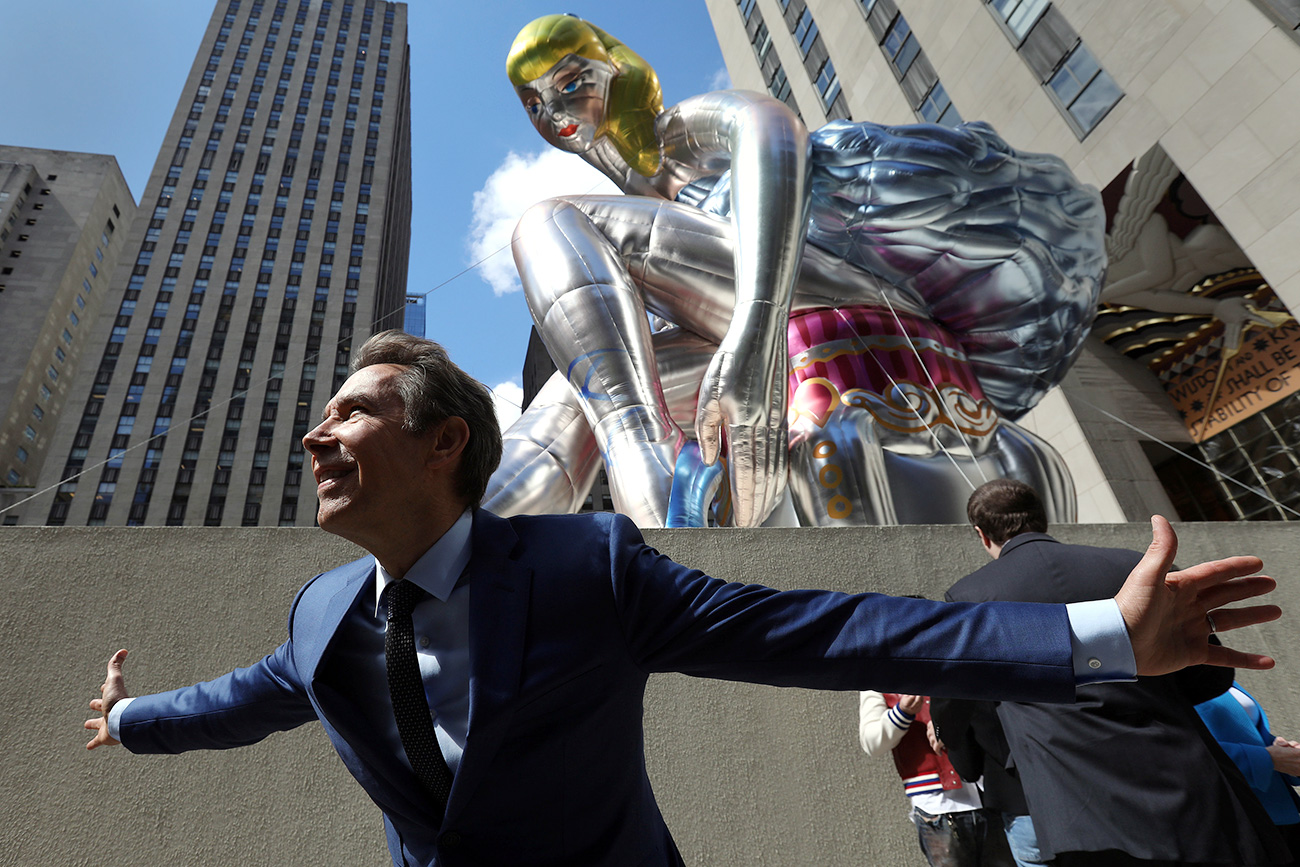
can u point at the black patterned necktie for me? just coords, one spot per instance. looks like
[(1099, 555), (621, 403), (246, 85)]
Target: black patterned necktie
[(410, 707)]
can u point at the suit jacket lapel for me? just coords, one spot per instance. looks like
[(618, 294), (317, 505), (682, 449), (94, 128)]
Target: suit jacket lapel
[(379, 772), (321, 622), (499, 601)]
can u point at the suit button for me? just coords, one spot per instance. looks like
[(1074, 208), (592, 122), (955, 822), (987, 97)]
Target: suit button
[(450, 839)]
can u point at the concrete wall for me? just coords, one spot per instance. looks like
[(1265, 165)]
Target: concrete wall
[(745, 775)]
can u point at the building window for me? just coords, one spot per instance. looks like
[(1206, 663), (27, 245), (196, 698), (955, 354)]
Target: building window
[(1020, 16), (12, 477), (1085, 89), (1049, 46), (22, 455), (30, 432), (37, 411), (901, 46), (828, 84), (938, 108), (805, 32)]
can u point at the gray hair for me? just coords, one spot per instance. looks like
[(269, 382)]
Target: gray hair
[(433, 389)]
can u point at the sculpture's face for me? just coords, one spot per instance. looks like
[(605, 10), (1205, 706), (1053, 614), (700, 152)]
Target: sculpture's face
[(567, 103)]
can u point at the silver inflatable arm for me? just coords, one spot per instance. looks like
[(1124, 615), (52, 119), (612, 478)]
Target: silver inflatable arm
[(743, 394)]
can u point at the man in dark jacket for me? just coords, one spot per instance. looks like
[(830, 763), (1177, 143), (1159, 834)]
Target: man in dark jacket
[(1127, 774)]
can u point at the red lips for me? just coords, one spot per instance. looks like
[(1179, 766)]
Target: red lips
[(568, 130)]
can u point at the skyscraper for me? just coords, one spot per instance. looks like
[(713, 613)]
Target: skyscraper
[(274, 232), (63, 224), (414, 320)]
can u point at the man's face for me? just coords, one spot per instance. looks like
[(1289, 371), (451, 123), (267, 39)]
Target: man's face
[(369, 471)]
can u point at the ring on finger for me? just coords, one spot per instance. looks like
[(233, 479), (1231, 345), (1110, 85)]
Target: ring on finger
[(1210, 620)]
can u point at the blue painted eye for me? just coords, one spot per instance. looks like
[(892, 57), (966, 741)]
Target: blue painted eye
[(535, 108), (570, 87)]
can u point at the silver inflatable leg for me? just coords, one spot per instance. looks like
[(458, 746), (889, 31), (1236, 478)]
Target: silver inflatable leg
[(593, 321), (550, 458)]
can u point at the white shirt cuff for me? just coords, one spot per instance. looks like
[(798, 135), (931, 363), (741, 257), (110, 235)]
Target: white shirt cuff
[(1100, 642), (115, 716)]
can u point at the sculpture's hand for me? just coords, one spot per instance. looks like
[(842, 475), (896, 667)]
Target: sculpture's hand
[(742, 399), (1236, 314)]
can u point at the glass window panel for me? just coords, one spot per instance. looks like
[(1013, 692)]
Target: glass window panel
[(1025, 15), (907, 54), (1082, 63), (1065, 85), (896, 36), (1096, 99)]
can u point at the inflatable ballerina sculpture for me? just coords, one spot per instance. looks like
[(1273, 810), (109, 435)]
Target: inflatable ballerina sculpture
[(860, 311)]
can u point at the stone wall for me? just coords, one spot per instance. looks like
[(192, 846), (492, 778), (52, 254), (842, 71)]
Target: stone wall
[(744, 774)]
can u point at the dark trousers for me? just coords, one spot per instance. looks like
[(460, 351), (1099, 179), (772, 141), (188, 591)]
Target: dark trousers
[(971, 838)]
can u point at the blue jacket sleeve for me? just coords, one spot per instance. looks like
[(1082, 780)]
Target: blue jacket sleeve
[(1242, 742), (234, 710), (679, 619), (239, 708)]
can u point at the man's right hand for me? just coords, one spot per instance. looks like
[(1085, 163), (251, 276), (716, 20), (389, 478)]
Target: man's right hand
[(111, 692), (1170, 615)]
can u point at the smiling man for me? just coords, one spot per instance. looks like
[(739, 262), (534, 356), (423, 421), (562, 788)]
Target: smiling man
[(482, 678)]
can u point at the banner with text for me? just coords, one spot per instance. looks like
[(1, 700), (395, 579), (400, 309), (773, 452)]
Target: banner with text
[(1214, 387)]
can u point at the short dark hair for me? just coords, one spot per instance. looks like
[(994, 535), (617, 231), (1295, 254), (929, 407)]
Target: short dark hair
[(433, 389), (1004, 508)]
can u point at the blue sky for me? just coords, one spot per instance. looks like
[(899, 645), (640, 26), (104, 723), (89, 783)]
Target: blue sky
[(85, 75)]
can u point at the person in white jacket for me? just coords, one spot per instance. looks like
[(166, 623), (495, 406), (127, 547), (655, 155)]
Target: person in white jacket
[(952, 826)]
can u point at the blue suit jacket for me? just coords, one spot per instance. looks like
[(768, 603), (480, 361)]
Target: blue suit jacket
[(568, 617), (1246, 743)]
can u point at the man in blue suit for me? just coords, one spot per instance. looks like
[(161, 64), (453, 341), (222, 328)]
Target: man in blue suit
[(529, 640)]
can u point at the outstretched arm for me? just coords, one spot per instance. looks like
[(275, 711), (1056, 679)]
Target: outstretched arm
[(1166, 612), (111, 691)]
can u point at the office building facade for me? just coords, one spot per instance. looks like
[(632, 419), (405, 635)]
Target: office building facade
[(1184, 116), (272, 239), (64, 219)]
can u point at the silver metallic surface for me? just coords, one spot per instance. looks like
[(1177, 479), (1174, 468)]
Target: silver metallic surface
[(1000, 248)]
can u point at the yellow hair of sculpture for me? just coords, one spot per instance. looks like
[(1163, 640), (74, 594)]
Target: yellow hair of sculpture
[(635, 99)]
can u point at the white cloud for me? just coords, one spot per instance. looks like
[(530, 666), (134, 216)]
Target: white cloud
[(721, 80), (517, 183), (507, 397)]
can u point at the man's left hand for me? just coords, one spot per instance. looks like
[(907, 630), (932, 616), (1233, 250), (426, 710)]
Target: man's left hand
[(1165, 612)]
